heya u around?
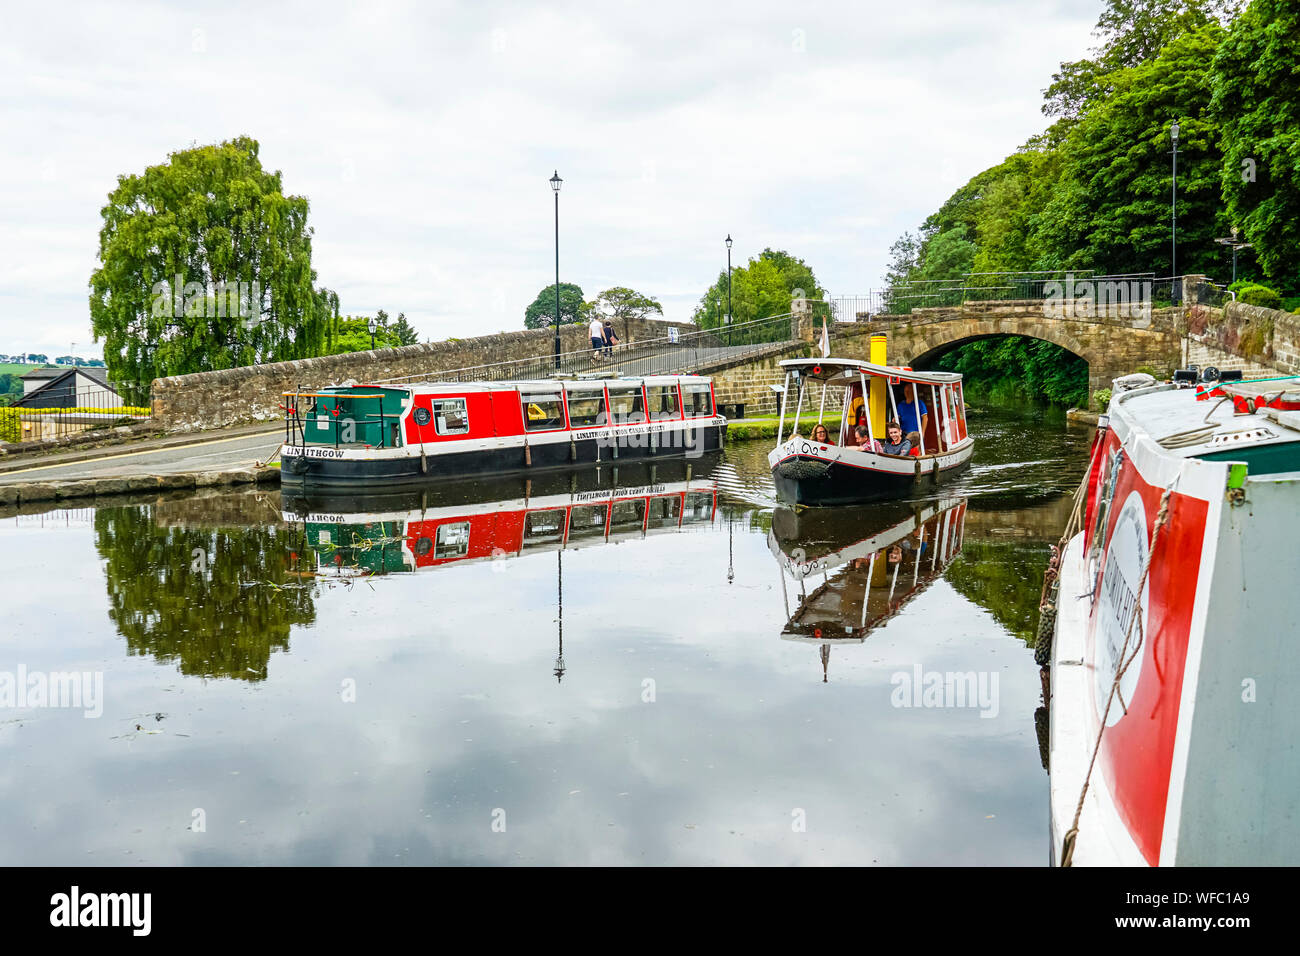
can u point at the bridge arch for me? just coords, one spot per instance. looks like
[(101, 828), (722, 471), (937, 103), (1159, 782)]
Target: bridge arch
[(951, 335)]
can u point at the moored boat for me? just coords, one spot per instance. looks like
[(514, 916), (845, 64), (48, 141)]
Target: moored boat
[(372, 435), (846, 465), (1173, 652)]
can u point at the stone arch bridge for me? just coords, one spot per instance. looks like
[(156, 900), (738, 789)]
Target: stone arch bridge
[(1113, 342)]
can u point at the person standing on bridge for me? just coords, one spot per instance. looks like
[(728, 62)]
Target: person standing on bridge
[(912, 415), (610, 338), (597, 332)]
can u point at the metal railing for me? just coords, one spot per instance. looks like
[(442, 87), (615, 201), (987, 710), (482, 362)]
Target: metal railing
[(673, 353), (59, 410)]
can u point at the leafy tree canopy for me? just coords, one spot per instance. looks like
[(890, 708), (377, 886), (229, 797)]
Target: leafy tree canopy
[(541, 313), (204, 263), (762, 287), (1256, 85)]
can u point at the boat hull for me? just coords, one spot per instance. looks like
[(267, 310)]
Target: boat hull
[(807, 475)]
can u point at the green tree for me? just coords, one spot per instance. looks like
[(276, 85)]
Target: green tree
[(204, 263), (541, 313), (1256, 83), (1110, 209), (352, 334), (406, 335), (761, 288)]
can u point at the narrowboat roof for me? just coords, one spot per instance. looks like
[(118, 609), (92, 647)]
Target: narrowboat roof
[(831, 370), (539, 384), (1185, 427)]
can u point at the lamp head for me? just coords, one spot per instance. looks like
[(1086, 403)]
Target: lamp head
[(556, 181), (728, 240)]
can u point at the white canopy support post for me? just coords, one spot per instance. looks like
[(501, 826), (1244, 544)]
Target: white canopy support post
[(920, 425), (845, 405), (893, 403), (893, 582), (938, 417), (785, 400), (916, 565), (866, 592), (822, 411)]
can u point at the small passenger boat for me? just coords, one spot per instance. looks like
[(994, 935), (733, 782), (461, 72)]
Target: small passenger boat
[(367, 435), (842, 468), (1175, 634)]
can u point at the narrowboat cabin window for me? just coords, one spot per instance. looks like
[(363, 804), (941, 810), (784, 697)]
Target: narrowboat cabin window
[(452, 540), (586, 408), (665, 510), (698, 399), (544, 527), (628, 514), (626, 404), (699, 505), (588, 521), (663, 401), (450, 416), (543, 411)]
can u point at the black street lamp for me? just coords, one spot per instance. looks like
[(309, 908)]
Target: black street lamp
[(1236, 244), (372, 324), (728, 288), (556, 181), (1173, 211)]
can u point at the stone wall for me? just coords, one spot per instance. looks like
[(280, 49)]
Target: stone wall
[(182, 403), (1244, 336)]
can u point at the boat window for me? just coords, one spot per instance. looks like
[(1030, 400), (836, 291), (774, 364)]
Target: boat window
[(665, 511), (543, 527), (452, 540), (628, 514), (663, 401), (626, 404), (586, 408), (450, 416), (699, 505), (542, 410), (587, 521), (698, 400)]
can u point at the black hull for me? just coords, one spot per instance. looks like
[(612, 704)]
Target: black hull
[(308, 474), (834, 483)]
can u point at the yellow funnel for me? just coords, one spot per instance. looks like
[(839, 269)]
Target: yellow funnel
[(879, 400)]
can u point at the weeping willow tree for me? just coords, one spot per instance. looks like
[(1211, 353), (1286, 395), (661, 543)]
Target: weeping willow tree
[(204, 263)]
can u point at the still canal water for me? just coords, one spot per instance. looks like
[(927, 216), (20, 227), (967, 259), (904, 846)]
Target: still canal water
[(698, 676)]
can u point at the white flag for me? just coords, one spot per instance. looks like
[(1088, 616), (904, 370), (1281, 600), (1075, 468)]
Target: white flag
[(826, 341)]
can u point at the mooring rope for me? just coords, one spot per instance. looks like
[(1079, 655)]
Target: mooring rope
[(1072, 834)]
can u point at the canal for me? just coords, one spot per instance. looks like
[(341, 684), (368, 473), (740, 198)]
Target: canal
[(661, 668)]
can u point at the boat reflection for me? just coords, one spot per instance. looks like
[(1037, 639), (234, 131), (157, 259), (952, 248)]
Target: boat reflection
[(854, 569), (417, 530)]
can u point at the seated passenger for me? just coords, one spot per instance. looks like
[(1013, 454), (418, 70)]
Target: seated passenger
[(895, 443), (862, 437), (821, 435), (914, 439)]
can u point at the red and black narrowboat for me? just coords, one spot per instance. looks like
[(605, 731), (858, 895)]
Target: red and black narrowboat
[(350, 436)]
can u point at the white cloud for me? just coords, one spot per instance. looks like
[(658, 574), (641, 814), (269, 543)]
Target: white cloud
[(424, 136)]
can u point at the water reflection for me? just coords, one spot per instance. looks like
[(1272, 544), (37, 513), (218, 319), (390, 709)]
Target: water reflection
[(217, 601), (871, 562)]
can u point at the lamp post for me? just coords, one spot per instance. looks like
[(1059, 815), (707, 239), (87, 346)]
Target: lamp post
[(556, 181), (728, 288), (1236, 244), (372, 325), (1173, 212)]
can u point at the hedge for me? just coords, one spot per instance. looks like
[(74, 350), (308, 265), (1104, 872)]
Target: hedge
[(11, 418)]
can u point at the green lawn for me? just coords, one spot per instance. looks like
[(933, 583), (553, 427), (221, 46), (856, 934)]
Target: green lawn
[(16, 368)]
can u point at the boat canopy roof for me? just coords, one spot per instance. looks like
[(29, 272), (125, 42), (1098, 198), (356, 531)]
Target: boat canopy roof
[(839, 370)]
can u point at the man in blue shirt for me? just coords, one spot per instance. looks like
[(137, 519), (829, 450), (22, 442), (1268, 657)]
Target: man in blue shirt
[(912, 414)]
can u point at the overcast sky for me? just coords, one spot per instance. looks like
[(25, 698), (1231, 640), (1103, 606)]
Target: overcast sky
[(424, 134)]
